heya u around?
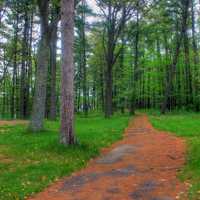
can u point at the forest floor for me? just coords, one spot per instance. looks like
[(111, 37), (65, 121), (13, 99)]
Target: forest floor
[(142, 166)]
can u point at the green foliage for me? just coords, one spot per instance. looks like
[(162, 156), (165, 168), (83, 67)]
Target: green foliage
[(29, 162), (185, 125)]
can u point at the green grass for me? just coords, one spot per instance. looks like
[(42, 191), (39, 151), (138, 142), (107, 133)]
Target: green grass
[(185, 125), (30, 162)]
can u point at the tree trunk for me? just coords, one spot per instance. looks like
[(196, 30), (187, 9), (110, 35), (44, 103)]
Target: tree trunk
[(136, 70), (23, 87), (14, 76), (109, 65), (4, 85), (53, 54), (108, 91), (172, 67), (196, 62), (29, 69), (102, 93), (188, 77), (38, 113), (67, 82), (83, 55), (121, 71)]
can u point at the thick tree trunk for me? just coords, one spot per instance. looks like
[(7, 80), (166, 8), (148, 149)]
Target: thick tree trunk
[(67, 83), (38, 113)]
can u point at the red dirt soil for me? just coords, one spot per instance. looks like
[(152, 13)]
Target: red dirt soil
[(142, 166)]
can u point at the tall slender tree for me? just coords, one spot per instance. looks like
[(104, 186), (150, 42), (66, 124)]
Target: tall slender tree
[(13, 106), (55, 18), (172, 67), (195, 59), (67, 136), (136, 59), (116, 15)]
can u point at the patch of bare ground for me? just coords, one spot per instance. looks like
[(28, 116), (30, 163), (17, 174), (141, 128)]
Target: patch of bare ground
[(12, 122), (5, 159)]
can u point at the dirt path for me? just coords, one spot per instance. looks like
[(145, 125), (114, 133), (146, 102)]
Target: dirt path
[(12, 122), (143, 166)]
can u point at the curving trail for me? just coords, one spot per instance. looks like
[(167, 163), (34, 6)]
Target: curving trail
[(142, 166)]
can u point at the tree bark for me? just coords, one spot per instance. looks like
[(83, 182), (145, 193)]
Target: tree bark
[(108, 91), (29, 69), (67, 136), (14, 75), (109, 63), (188, 77), (121, 71), (38, 113), (83, 41), (53, 54), (23, 87)]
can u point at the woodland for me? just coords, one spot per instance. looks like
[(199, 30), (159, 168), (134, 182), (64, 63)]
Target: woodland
[(127, 55), (72, 70)]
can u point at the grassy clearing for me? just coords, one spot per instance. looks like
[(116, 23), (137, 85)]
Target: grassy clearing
[(29, 163), (185, 125)]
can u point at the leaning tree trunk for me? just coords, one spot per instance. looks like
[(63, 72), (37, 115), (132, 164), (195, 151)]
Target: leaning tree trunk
[(67, 71), (38, 113)]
